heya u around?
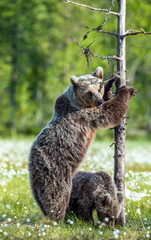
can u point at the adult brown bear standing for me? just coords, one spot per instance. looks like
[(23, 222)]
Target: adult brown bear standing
[(61, 146)]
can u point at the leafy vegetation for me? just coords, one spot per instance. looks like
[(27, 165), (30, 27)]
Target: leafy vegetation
[(20, 218), (38, 56)]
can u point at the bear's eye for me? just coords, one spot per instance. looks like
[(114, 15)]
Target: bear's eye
[(89, 94)]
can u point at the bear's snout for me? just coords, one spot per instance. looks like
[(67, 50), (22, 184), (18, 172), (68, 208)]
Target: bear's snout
[(100, 102)]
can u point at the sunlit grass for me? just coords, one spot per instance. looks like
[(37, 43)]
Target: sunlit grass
[(20, 218)]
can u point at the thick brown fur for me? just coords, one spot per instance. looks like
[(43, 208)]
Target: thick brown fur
[(61, 146), (94, 191)]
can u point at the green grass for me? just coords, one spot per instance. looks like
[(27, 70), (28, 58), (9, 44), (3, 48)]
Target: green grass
[(20, 218)]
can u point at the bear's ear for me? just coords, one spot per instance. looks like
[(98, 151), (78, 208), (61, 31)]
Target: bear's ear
[(106, 200), (120, 196), (98, 72), (74, 80)]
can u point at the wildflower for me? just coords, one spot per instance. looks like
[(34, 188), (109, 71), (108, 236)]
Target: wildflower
[(115, 233), (106, 219), (55, 223), (5, 233), (9, 220), (138, 211), (28, 220), (8, 206), (29, 234), (4, 215)]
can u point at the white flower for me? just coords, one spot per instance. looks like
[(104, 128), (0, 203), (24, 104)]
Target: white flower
[(55, 223), (147, 235), (9, 219), (5, 233), (18, 224), (4, 215), (28, 220), (8, 206), (138, 211), (106, 219), (29, 234)]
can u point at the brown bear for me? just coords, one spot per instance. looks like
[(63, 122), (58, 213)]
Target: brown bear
[(94, 191), (61, 146)]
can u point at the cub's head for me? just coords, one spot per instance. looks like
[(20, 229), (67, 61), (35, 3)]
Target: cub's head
[(88, 89), (107, 207)]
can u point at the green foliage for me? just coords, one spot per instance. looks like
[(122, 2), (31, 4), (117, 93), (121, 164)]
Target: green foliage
[(38, 56)]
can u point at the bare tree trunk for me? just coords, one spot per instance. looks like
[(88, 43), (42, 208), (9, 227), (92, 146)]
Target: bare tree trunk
[(120, 133)]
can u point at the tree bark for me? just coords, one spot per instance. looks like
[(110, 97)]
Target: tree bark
[(120, 131)]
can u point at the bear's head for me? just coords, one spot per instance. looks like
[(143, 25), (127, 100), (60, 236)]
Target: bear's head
[(88, 89), (108, 207)]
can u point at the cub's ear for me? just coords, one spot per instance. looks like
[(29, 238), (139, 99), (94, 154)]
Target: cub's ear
[(120, 196), (74, 80), (106, 200), (98, 72)]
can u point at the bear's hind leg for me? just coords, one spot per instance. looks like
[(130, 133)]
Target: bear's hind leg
[(53, 199)]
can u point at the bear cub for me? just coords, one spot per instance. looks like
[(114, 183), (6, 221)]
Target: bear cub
[(95, 191)]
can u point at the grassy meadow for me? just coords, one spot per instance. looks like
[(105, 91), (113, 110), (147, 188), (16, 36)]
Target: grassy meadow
[(20, 218)]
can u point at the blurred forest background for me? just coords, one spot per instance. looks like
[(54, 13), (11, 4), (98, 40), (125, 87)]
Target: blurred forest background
[(38, 56)]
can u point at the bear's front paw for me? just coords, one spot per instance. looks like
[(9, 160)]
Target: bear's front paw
[(132, 91)]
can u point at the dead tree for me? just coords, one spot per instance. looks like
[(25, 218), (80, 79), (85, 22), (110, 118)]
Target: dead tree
[(120, 131)]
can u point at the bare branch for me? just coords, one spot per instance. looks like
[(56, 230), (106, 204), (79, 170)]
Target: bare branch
[(110, 33), (112, 144), (135, 32), (92, 8), (114, 57), (88, 54), (99, 28)]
